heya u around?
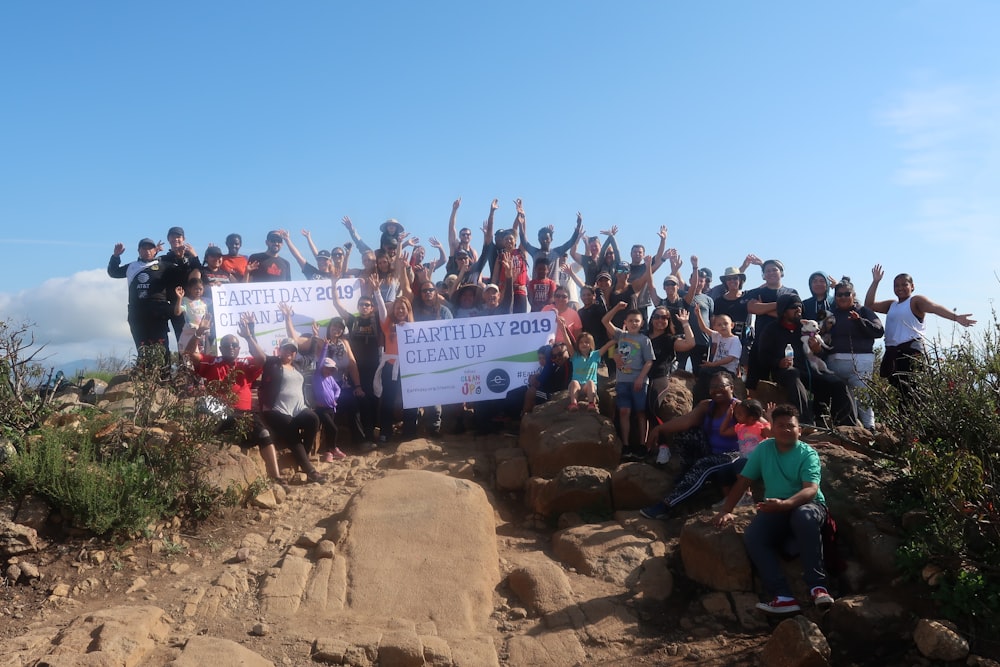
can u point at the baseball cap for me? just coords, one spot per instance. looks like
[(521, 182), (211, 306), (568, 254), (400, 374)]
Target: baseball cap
[(274, 235), (323, 253), (288, 342), (329, 362), (175, 231), (146, 242), (213, 251)]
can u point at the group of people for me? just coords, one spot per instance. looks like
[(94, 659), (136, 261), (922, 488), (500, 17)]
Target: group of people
[(610, 318)]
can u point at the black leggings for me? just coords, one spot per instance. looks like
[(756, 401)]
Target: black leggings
[(294, 433)]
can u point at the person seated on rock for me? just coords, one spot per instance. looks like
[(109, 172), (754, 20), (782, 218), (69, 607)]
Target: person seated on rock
[(706, 449), (796, 375), (283, 404), (554, 375), (237, 375), (585, 363), (793, 507)]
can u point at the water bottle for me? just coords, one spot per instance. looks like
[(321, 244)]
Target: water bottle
[(789, 352)]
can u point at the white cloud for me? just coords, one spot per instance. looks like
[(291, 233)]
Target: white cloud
[(79, 316)]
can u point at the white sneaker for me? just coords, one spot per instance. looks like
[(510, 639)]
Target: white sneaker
[(663, 456)]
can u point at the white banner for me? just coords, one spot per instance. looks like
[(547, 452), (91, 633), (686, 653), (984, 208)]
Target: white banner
[(470, 359), (310, 300)]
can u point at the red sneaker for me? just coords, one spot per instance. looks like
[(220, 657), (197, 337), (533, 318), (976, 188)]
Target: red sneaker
[(779, 607), (822, 598)]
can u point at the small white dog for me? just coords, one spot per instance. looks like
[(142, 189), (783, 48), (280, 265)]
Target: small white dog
[(810, 329)]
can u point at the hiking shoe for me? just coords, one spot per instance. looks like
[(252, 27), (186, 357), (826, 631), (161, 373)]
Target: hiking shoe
[(822, 598), (658, 511), (332, 455), (316, 477), (663, 456), (779, 607)]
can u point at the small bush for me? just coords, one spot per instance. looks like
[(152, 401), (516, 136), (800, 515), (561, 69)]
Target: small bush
[(948, 451)]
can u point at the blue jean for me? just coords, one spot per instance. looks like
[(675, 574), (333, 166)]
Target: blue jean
[(767, 536), (855, 370)]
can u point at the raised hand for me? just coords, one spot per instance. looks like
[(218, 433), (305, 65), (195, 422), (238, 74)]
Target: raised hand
[(347, 223), (305, 233), (877, 273), (579, 218), (179, 291), (315, 330), (455, 204), (495, 204), (286, 310), (663, 232), (119, 249), (434, 243)]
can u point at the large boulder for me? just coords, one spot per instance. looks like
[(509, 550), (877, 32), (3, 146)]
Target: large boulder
[(573, 489), (676, 399), (422, 545), (554, 438), (541, 585), (857, 623), (230, 469), (796, 642), (637, 485), (938, 640), (856, 492), (511, 469), (606, 551), (716, 557)]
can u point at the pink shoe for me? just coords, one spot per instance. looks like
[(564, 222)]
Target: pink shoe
[(592, 406), (573, 406), (333, 455)]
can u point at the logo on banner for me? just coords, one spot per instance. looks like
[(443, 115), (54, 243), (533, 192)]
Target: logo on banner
[(497, 380)]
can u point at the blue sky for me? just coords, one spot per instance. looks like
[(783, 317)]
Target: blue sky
[(832, 136)]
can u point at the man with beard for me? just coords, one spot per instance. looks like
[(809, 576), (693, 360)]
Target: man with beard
[(270, 267)]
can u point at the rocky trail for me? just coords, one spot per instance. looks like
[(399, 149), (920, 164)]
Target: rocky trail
[(511, 549)]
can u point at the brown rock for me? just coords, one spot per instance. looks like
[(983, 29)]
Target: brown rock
[(540, 584), (716, 557), (16, 539), (512, 469), (560, 648), (201, 650), (937, 641), (554, 438), (637, 485), (400, 649), (33, 512), (439, 534), (655, 581), (676, 399), (856, 622), (573, 489), (796, 642), (606, 551)]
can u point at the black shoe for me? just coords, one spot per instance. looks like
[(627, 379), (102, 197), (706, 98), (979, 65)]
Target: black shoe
[(316, 477)]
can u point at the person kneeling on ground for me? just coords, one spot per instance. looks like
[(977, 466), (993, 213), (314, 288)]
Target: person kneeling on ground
[(793, 506)]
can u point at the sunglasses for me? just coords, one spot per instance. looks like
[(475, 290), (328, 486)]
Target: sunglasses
[(364, 304), (661, 317), (845, 295), (428, 290)]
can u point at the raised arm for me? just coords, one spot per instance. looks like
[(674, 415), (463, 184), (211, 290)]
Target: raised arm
[(246, 329), (442, 258), (377, 298), (115, 268), (453, 241), (658, 257), (309, 239), (577, 232), (878, 306), (287, 313), (362, 246), (922, 305), (612, 330), (695, 280), (292, 249), (685, 344)]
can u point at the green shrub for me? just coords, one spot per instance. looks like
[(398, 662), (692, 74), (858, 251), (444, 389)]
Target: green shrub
[(948, 451)]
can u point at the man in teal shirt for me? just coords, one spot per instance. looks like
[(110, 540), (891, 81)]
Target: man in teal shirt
[(793, 507)]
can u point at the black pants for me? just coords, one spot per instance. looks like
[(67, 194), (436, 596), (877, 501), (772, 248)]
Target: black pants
[(327, 421), (827, 389), (295, 433)]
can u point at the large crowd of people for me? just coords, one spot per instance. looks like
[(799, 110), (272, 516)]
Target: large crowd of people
[(819, 351)]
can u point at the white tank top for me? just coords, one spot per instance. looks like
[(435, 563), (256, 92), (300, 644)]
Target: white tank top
[(901, 325)]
